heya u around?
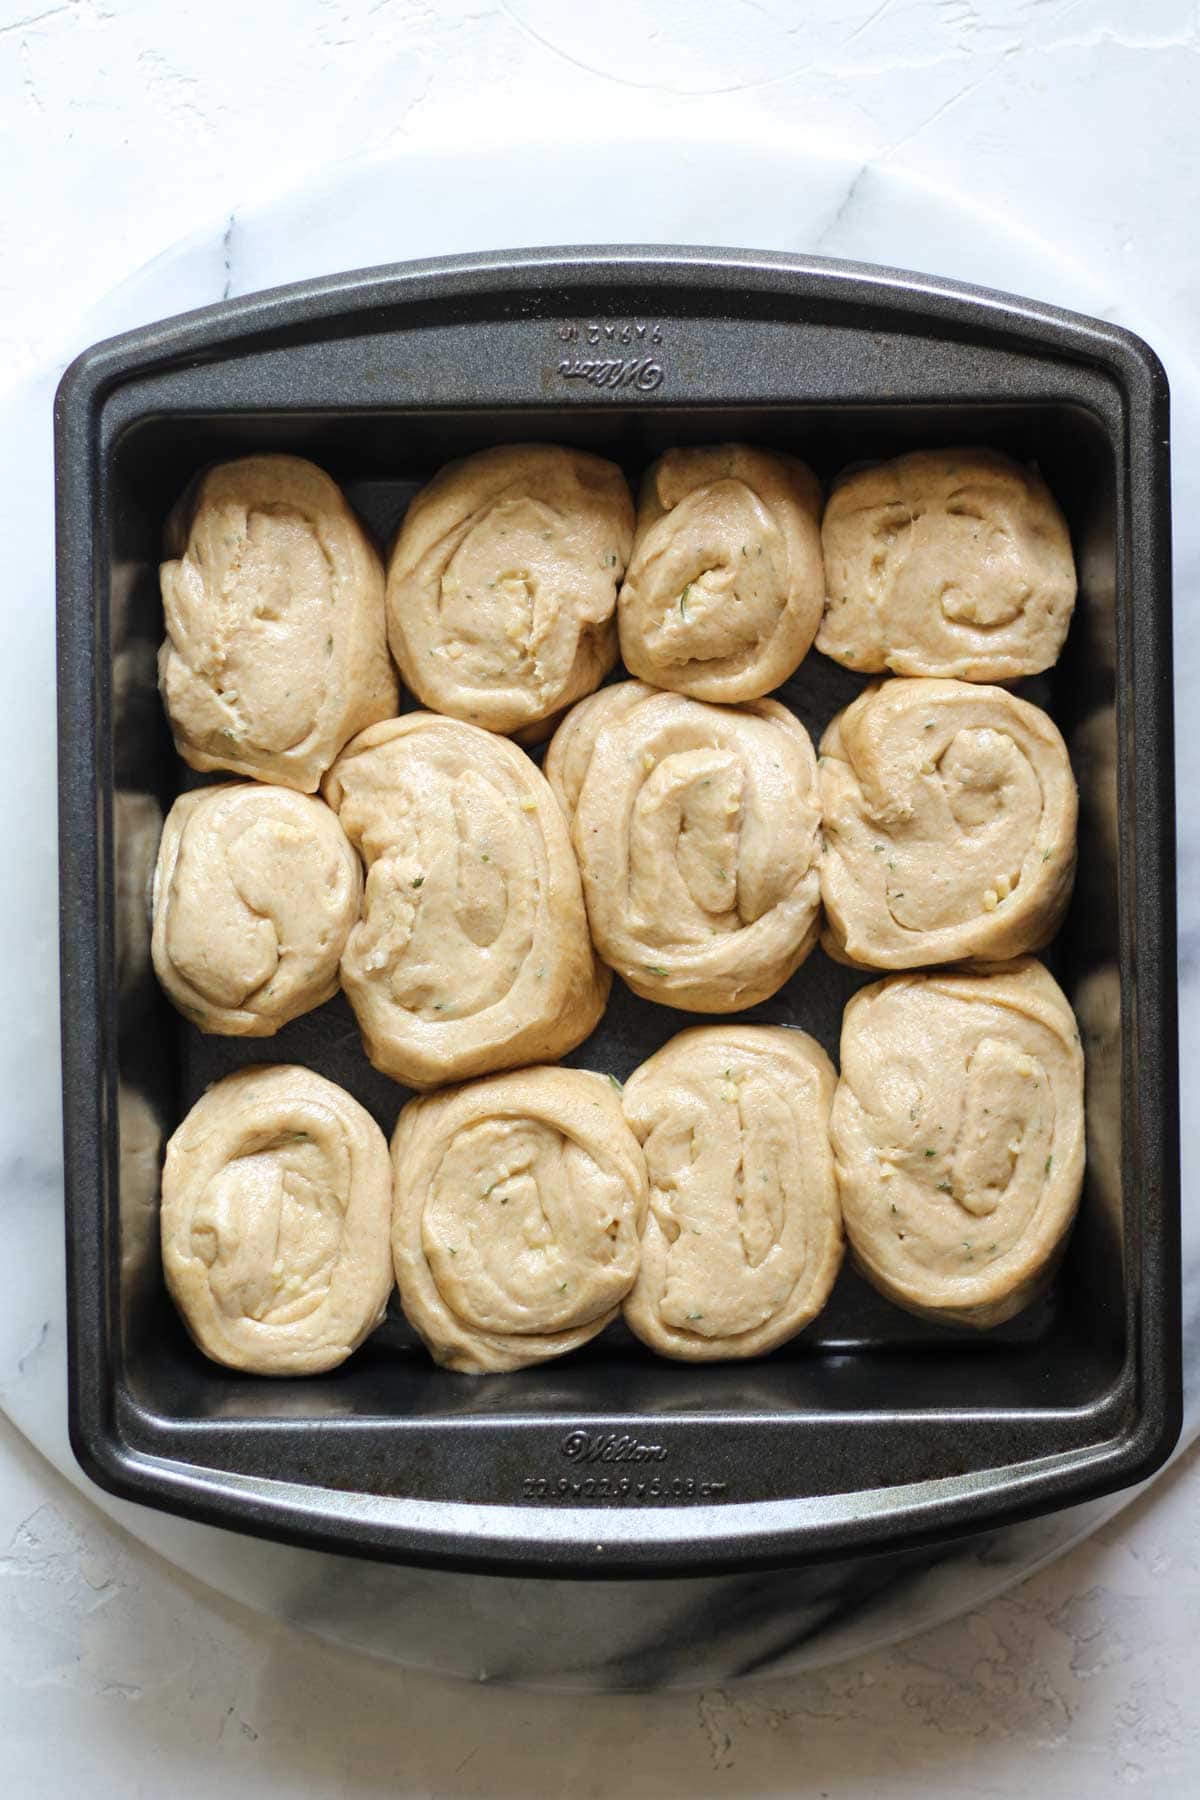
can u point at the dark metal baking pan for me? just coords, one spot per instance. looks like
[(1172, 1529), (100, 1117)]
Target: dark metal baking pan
[(872, 1430)]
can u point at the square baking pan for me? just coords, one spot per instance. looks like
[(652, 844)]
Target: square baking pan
[(871, 1430)]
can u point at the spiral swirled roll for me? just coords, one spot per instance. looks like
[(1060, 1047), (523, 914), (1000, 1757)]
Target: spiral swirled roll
[(570, 749), (946, 562), (275, 652), (520, 1202), (502, 584), (472, 952), (744, 1238), (958, 1137), (697, 831), (725, 585), (255, 891), (949, 816), (276, 1213)]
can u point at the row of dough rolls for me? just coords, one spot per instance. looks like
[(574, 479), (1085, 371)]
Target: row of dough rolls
[(518, 573), (939, 825), (706, 1203), (465, 949), (510, 1212), (691, 834)]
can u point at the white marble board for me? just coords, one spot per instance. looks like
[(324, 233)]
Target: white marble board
[(699, 192)]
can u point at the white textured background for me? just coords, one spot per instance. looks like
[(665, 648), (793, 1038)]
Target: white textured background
[(126, 123), (119, 1677)]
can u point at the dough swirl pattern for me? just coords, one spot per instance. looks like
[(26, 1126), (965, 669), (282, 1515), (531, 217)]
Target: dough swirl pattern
[(946, 562), (725, 585), (276, 1210), (472, 952), (744, 1238), (698, 831), (520, 1201), (275, 652), (502, 584), (958, 1136), (949, 814), (255, 891)]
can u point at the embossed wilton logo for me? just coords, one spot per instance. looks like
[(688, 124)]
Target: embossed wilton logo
[(639, 372), (609, 1447)]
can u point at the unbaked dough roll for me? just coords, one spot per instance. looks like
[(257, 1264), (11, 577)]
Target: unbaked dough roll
[(255, 891), (946, 562), (472, 951), (276, 1213), (570, 749), (502, 584), (949, 825), (744, 1238), (698, 833), (725, 586), (275, 651), (958, 1136), (520, 1202)]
